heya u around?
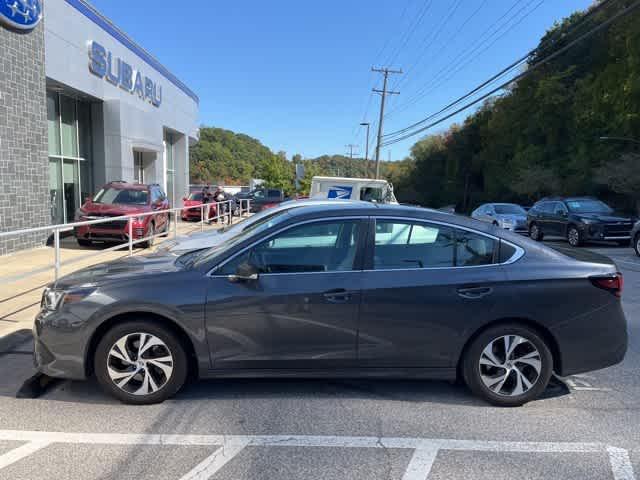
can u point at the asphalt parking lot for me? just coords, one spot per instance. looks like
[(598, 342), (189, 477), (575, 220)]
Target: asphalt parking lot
[(586, 427)]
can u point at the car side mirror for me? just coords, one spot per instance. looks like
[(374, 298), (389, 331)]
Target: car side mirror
[(562, 213), (245, 272)]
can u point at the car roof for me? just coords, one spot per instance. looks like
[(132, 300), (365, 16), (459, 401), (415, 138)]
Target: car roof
[(340, 208)]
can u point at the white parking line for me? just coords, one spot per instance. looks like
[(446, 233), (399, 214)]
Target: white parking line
[(21, 452), (424, 455)]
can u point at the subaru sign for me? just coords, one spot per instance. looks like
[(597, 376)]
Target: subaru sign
[(21, 14), (340, 192), (119, 73)]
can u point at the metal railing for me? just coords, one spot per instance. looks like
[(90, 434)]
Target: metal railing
[(223, 211)]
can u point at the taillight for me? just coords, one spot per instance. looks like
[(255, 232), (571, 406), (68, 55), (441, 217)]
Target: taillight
[(611, 283)]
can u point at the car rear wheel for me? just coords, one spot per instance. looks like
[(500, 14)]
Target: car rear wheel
[(574, 237), (141, 363), (508, 365), (535, 233), (636, 244)]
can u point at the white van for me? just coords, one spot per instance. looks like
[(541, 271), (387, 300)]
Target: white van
[(341, 188)]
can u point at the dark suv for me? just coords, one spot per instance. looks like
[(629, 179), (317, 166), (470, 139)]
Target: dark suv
[(117, 199), (578, 219), (262, 198)]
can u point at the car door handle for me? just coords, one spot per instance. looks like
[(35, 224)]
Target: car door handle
[(339, 295), (475, 292)]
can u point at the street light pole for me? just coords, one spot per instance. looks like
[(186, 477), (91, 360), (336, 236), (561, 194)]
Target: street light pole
[(366, 148)]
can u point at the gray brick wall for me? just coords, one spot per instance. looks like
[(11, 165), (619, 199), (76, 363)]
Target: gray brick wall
[(24, 165)]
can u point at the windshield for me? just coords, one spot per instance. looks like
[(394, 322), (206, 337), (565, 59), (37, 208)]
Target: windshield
[(119, 196), (208, 255), (195, 196), (509, 209), (588, 206)]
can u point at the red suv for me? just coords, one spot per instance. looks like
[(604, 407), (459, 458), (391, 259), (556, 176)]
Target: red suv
[(195, 199), (116, 199)]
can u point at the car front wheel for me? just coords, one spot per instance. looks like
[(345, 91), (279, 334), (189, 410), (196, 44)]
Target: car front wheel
[(141, 363), (535, 233), (574, 236), (636, 244), (508, 365)]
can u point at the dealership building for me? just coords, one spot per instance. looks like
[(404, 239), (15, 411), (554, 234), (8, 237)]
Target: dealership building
[(82, 104)]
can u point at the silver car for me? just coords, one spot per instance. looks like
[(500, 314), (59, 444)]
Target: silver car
[(208, 239), (509, 216)]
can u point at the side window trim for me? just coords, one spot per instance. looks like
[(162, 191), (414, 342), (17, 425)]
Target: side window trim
[(358, 262), (369, 267)]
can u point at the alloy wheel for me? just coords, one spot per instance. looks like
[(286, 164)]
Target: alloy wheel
[(510, 365), (638, 245), (574, 237), (140, 363), (534, 232)]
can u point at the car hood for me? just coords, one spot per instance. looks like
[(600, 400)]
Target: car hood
[(199, 242), (114, 209), (119, 270), (605, 218)]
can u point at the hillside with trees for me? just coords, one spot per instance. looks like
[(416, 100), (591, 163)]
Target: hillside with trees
[(542, 137)]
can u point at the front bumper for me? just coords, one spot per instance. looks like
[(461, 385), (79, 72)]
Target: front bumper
[(59, 341), (607, 232), (96, 232)]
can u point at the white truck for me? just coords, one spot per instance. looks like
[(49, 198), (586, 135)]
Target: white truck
[(342, 188)]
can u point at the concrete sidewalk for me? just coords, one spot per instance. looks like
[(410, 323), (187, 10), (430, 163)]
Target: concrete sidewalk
[(20, 300)]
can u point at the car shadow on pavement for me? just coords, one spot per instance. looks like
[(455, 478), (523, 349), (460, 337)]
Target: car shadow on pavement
[(417, 391)]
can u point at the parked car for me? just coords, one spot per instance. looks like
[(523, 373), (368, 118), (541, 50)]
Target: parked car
[(194, 199), (211, 238), (509, 216), (579, 220), (117, 199), (635, 238), (261, 197), (347, 188), (347, 289)]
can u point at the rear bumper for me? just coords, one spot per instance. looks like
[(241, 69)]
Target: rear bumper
[(593, 341)]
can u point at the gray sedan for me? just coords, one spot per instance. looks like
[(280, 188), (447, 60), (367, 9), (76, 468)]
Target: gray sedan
[(341, 290), (509, 216)]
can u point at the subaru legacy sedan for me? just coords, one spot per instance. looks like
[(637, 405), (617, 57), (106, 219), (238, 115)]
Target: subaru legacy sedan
[(351, 290)]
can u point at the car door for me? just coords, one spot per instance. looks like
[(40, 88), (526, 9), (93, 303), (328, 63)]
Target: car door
[(301, 311), (554, 224), (426, 286)]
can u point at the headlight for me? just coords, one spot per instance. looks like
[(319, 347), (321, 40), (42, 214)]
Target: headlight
[(52, 299), (588, 221)]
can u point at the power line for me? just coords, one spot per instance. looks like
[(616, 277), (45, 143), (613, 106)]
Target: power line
[(466, 57), (532, 68), (351, 146), (522, 60)]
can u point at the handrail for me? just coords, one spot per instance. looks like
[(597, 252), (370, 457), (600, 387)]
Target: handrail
[(223, 210)]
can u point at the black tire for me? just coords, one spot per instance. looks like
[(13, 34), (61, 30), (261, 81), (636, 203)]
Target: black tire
[(167, 226), (471, 365), (152, 231), (84, 243), (574, 236), (535, 232), (636, 244), (177, 350)]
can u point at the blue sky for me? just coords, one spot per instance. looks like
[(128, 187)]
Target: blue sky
[(296, 74)]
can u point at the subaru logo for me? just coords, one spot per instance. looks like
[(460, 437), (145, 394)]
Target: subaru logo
[(21, 14)]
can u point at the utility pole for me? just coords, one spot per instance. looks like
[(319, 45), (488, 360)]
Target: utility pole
[(366, 149), (383, 93), (351, 146)]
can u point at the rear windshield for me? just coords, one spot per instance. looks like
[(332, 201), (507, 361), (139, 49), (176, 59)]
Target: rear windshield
[(195, 196), (119, 196), (588, 206), (509, 209)]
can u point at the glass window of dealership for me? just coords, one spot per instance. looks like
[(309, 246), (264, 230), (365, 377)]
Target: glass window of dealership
[(70, 157)]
